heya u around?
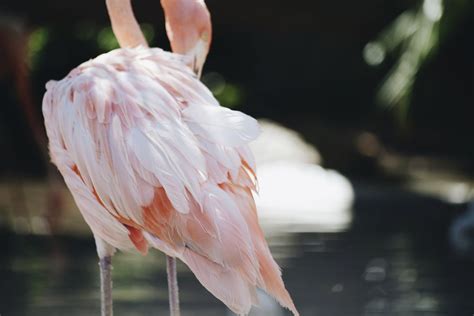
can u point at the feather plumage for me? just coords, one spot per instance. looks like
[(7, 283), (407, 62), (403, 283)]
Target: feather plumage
[(152, 159)]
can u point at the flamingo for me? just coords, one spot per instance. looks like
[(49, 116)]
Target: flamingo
[(153, 160)]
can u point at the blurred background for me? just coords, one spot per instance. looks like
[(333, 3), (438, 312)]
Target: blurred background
[(366, 162)]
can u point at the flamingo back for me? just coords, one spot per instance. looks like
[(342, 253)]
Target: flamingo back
[(152, 159)]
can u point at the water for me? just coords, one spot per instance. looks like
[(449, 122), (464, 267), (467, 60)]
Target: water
[(395, 259)]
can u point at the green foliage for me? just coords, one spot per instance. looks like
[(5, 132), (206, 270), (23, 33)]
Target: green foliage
[(148, 32), (228, 94), (412, 38), (37, 41), (106, 39)]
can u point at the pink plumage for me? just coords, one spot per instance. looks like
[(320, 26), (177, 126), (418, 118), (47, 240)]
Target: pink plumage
[(152, 159)]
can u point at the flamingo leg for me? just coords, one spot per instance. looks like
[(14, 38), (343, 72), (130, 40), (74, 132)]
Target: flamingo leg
[(173, 292), (106, 307)]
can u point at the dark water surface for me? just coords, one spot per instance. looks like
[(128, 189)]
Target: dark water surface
[(395, 259)]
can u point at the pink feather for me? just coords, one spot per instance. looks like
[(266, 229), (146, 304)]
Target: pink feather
[(152, 159)]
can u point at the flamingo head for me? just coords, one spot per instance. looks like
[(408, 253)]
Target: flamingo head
[(188, 25)]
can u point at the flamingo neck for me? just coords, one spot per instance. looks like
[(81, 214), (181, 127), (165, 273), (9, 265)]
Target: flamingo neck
[(124, 24)]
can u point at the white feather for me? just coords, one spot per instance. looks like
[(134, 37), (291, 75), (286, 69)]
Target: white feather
[(221, 125)]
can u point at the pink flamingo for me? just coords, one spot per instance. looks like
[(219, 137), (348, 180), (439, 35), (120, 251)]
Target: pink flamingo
[(153, 160)]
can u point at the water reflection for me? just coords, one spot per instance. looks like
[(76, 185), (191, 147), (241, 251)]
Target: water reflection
[(393, 260), (267, 306), (345, 249)]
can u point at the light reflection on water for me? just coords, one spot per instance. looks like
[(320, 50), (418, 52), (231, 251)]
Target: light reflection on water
[(394, 260)]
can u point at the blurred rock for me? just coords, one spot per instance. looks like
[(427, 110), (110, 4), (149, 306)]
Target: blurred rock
[(295, 193), (280, 143), (302, 197), (462, 232)]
